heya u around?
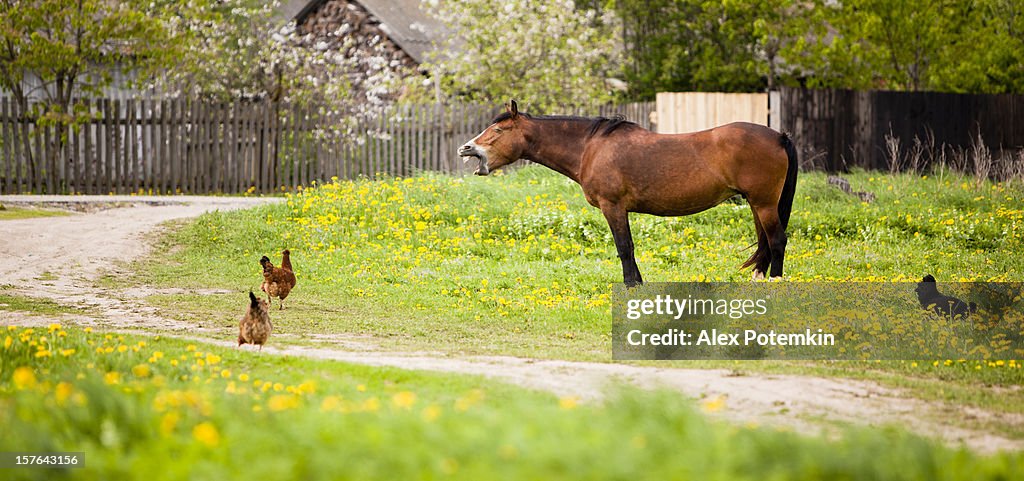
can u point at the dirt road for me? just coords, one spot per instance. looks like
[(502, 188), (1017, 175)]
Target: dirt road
[(60, 258)]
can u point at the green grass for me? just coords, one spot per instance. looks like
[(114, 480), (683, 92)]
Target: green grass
[(35, 305), (14, 213), (160, 408), (519, 264)]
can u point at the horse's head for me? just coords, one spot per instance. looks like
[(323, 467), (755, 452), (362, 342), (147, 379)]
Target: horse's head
[(499, 144)]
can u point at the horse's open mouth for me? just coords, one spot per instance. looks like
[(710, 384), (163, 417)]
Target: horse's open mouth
[(481, 168)]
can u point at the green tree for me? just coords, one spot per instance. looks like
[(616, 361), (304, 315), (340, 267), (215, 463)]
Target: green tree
[(988, 56), (974, 46), (234, 49), (966, 46), (72, 48), (891, 45), (697, 45)]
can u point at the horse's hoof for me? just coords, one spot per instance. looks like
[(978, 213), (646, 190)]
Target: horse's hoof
[(757, 276), (775, 279)]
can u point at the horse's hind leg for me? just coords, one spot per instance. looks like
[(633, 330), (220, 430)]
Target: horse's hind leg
[(618, 221), (761, 259), (768, 216)]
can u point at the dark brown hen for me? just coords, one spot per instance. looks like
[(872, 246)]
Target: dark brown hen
[(277, 281), (255, 326)]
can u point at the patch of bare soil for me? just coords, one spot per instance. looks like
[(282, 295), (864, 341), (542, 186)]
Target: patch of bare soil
[(71, 252)]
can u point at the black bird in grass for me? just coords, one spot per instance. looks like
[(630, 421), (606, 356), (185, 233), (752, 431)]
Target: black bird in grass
[(931, 299)]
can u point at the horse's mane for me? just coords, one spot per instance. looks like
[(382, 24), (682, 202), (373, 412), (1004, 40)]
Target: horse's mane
[(599, 126)]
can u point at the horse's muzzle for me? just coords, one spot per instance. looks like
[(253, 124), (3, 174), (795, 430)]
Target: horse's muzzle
[(470, 151)]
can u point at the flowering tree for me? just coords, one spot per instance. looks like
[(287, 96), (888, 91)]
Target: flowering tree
[(57, 50), (546, 53), (241, 49)]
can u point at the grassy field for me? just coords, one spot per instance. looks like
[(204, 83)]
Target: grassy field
[(513, 264), (519, 264), (159, 408)]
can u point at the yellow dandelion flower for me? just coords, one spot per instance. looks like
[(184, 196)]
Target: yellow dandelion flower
[(43, 353), (330, 403), (243, 377), (8, 341), (469, 400), (404, 400), (112, 377), (62, 392), (225, 373), (282, 402), (568, 402), (207, 434), (141, 370), (24, 378), (371, 405), (713, 404), (168, 422), (431, 413)]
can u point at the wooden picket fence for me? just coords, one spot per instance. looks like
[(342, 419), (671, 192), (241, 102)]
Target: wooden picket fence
[(183, 146), (681, 112), (836, 130)]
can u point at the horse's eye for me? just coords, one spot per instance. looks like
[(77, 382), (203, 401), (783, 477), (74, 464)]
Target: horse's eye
[(497, 130)]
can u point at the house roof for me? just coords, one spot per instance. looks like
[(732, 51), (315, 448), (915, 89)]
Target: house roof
[(404, 21)]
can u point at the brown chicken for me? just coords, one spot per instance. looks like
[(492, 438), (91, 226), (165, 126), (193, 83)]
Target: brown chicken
[(255, 326), (277, 281), (286, 263)]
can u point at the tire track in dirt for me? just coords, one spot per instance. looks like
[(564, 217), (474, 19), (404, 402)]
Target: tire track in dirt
[(70, 253)]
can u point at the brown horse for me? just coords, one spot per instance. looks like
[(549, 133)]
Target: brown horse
[(624, 168)]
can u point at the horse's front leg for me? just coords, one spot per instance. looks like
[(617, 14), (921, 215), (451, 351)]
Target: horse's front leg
[(618, 221)]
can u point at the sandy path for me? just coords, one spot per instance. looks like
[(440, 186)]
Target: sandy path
[(59, 257), (68, 253)]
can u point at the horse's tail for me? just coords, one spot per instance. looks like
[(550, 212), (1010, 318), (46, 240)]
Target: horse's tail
[(789, 187)]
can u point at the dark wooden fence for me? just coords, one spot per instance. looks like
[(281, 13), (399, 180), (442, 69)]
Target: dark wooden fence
[(839, 129), (181, 146)]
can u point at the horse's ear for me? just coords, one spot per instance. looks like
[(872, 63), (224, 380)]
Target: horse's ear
[(512, 108)]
